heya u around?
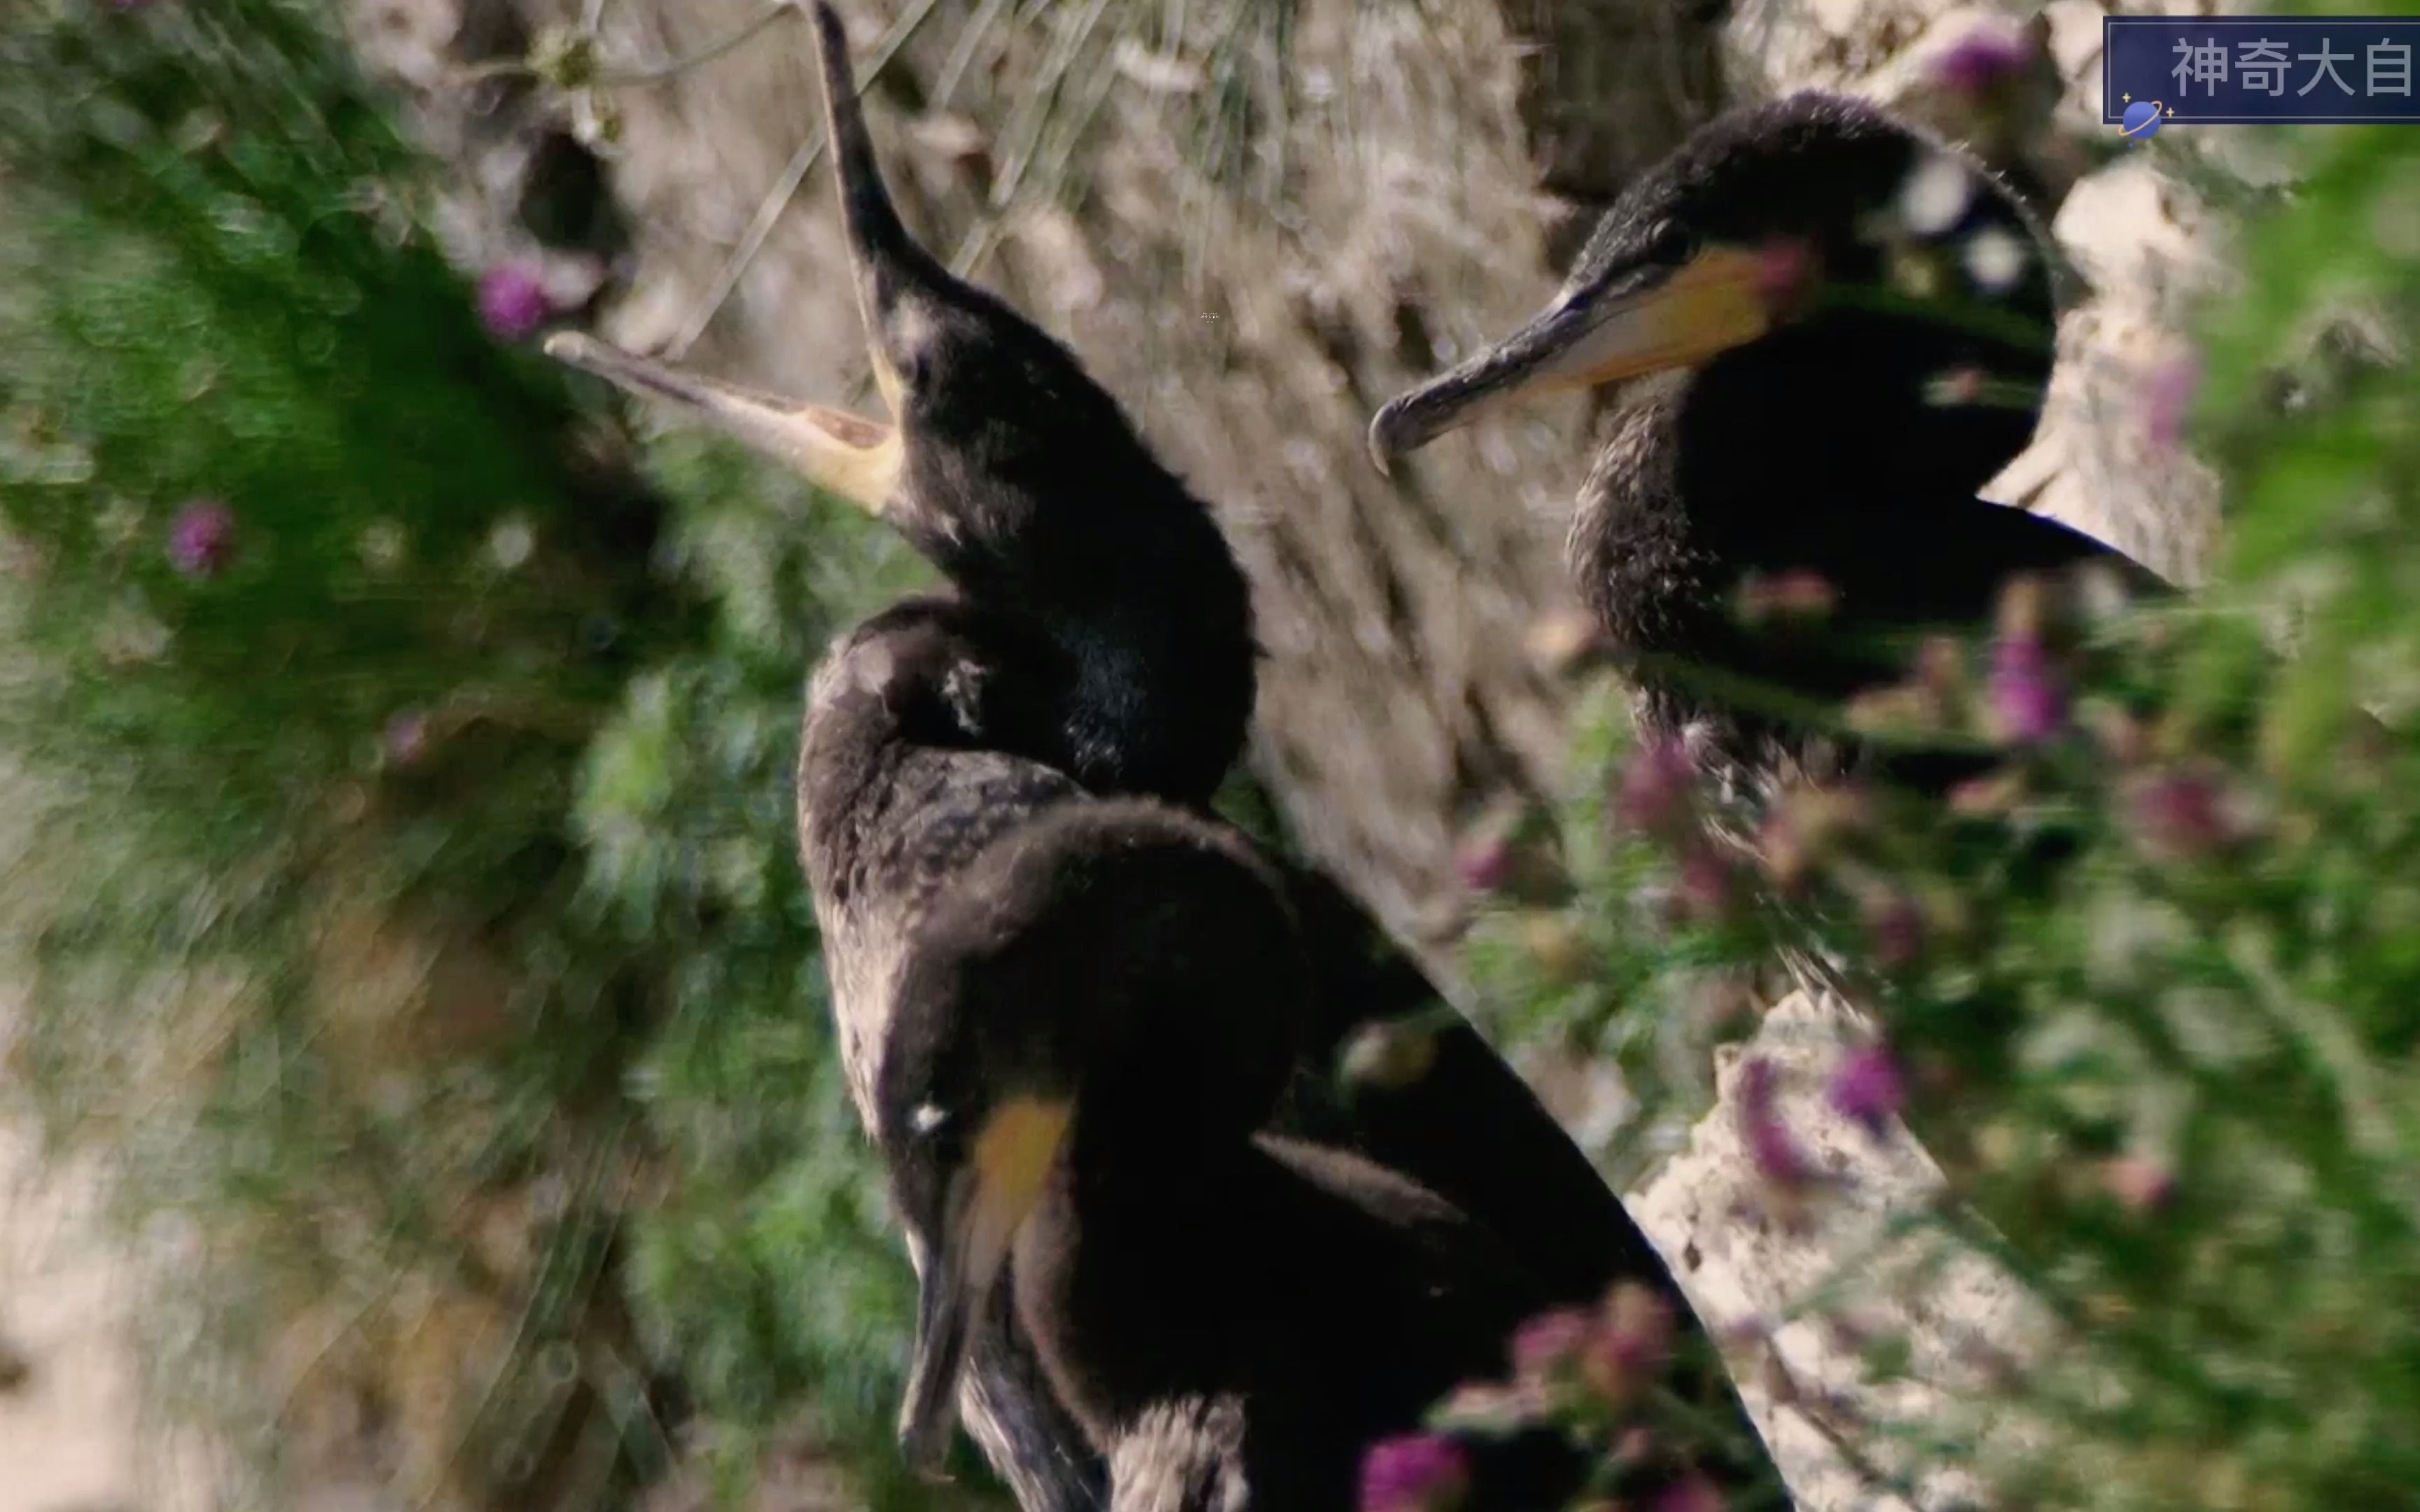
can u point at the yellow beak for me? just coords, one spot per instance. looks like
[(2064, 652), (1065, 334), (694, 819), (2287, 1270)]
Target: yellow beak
[(842, 454), (859, 459), (1646, 322), (988, 1201)]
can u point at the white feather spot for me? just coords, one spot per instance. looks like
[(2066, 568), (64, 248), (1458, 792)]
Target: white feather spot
[(928, 1118), (870, 667), (1936, 195), (1996, 260)]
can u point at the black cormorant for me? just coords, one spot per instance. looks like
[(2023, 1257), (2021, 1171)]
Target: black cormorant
[(1099, 639), (1835, 330), (1234, 1317)]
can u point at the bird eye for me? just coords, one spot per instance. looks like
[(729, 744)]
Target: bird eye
[(1671, 243)]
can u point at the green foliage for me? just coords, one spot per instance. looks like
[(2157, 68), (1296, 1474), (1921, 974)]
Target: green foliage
[(2146, 988), (410, 903)]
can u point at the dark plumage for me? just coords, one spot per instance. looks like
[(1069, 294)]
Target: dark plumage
[(1095, 639), (1232, 1317), (1851, 329)]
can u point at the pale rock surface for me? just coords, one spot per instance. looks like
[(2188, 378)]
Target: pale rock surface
[(73, 1435)]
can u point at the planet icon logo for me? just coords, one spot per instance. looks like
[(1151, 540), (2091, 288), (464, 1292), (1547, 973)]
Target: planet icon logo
[(2142, 119)]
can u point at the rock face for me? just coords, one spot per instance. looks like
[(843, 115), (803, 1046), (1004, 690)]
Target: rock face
[(1255, 222), (1258, 228)]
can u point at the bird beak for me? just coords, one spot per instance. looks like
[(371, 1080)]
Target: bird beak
[(857, 459), (988, 1201), (1642, 323), (842, 454)]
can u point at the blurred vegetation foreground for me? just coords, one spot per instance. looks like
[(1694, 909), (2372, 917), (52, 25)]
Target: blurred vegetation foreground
[(403, 896), (407, 895)]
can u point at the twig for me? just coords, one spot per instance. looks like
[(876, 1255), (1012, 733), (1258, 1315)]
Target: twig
[(652, 74), (769, 210)]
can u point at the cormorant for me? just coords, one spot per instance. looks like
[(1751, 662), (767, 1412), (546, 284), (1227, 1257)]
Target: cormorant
[(1233, 1316), (1834, 329), (1097, 639)]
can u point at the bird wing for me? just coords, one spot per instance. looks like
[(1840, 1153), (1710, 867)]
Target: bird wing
[(1468, 1128)]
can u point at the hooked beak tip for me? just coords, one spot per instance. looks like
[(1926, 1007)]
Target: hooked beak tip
[(1385, 445)]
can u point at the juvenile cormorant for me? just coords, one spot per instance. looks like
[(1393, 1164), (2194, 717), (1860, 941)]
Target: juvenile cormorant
[(1097, 639), (1234, 1317), (1839, 328)]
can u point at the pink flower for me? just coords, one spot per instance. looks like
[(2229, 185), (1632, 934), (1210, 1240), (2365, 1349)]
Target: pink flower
[(1483, 862), (1894, 928), (406, 737), (1798, 595), (201, 543), (1787, 271), (1544, 1346), (2026, 695), (1414, 1473), (2182, 815), (1632, 1342), (513, 301), (1692, 1493), (2140, 1184), (2167, 400), (1705, 891), (1657, 787), (1776, 1154), (1867, 1089), (1983, 60)]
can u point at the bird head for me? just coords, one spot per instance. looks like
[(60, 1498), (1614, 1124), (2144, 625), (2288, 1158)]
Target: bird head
[(1814, 212), (1013, 472)]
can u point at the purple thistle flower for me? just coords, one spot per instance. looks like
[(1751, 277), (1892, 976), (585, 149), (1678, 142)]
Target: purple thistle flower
[(2142, 1184), (406, 737), (1655, 787), (1483, 862), (1894, 928), (1797, 595), (513, 300), (1984, 59), (2027, 697), (1692, 1493), (1632, 1342), (1787, 271), (1867, 1089), (2167, 400), (1546, 1344), (1414, 1473), (1776, 1154), (201, 543), (1704, 892), (2182, 815)]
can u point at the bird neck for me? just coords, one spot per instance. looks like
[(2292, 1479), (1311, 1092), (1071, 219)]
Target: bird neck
[(1798, 453), (928, 672), (1156, 698)]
